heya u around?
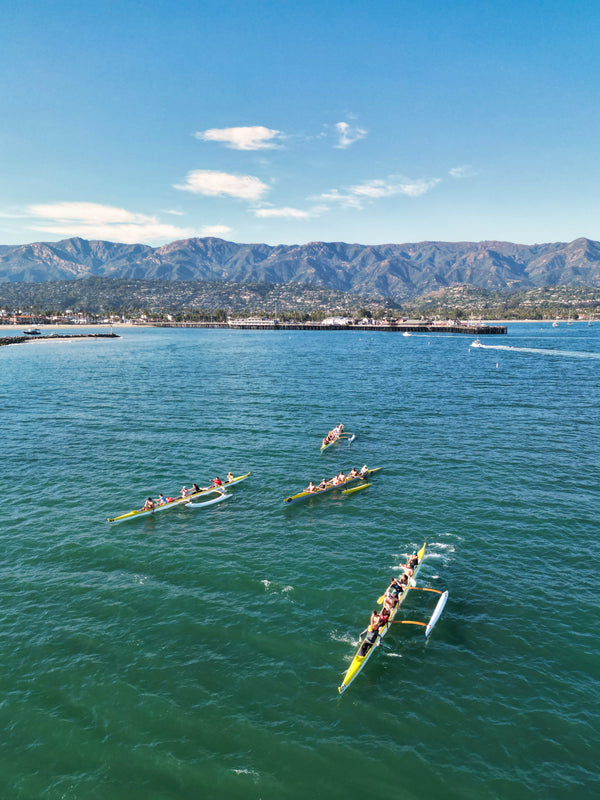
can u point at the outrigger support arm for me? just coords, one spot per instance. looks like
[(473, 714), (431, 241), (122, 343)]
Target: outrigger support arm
[(434, 617)]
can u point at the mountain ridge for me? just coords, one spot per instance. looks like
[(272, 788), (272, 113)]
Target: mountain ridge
[(392, 270)]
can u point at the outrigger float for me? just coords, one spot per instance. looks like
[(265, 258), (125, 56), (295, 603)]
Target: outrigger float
[(365, 650), (332, 486), (205, 491)]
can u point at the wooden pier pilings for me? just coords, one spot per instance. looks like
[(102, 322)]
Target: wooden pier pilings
[(269, 325)]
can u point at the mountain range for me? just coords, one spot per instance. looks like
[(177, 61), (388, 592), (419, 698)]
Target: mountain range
[(398, 271)]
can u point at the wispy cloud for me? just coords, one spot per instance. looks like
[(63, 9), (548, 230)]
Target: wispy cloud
[(214, 184), (215, 230), (347, 135), (95, 221), (390, 187), (256, 137), (357, 196), (282, 213), (465, 171), (344, 199)]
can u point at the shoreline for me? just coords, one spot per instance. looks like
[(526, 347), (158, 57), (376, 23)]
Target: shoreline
[(61, 326)]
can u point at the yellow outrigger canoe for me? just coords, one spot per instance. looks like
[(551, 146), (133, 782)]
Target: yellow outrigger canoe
[(179, 501), (359, 661), (330, 487)]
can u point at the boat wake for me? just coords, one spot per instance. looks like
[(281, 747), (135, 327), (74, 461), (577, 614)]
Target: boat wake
[(539, 351), (346, 638)]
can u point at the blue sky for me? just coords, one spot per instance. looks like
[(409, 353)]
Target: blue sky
[(290, 122)]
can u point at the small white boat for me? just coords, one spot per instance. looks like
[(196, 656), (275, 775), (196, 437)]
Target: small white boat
[(477, 343), (555, 324), (406, 333)]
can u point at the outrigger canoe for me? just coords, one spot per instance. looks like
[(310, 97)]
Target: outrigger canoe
[(179, 501), (330, 488), (350, 437), (359, 661)]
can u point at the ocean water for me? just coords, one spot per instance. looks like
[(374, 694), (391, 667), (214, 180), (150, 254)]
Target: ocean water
[(197, 653)]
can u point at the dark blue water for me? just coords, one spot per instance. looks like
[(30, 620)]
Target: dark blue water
[(197, 653)]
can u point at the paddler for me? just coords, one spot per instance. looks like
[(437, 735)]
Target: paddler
[(384, 616), (394, 590), (353, 473), (162, 500), (217, 481), (371, 633), (195, 489), (311, 487), (229, 477), (363, 471), (184, 492), (148, 505)]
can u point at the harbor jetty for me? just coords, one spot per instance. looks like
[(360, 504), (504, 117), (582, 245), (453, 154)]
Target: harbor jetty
[(54, 337), (400, 327)]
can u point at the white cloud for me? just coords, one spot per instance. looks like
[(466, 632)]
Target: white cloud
[(465, 171), (340, 198), (95, 221), (388, 188), (249, 138), (215, 230), (357, 196), (348, 135), (283, 213), (87, 212), (214, 184)]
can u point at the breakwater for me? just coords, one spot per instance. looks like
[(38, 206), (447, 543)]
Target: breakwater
[(53, 337), (408, 327)]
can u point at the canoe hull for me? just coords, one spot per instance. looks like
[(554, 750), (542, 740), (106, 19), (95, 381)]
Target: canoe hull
[(303, 495), (358, 662), (204, 492)]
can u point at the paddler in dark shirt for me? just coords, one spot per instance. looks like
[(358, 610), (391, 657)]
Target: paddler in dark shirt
[(371, 633)]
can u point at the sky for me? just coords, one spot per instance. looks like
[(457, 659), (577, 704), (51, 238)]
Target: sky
[(290, 122)]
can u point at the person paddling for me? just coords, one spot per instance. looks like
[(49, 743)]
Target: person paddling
[(371, 633)]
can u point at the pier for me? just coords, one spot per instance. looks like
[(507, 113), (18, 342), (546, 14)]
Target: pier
[(401, 327)]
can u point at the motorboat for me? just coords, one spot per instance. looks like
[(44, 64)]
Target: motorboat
[(477, 343)]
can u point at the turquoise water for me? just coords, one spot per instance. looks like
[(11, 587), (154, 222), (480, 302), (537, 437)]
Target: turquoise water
[(197, 653)]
